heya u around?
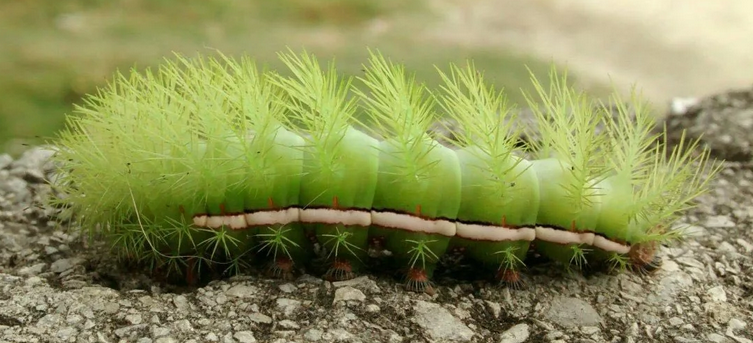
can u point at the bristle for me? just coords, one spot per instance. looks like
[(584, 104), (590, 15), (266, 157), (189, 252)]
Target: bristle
[(421, 253), (401, 111), (578, 260), (317, 100), (195, 166), (484, 122), (276, 244), (339, 162), (675, 179), (631, 135), (567, 124)]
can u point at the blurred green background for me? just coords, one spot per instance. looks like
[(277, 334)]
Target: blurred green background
[(54, 52)]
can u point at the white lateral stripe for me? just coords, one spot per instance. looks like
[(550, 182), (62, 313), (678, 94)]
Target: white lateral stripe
[(564, 237), (235, 222), (200, 221), (611, 246), (331, 216), (411, 223), (495, 233), (282, 217), (215, 222)]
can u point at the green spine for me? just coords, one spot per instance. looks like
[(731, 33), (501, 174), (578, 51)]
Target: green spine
[(152, 152), (340, 163), (498, 188), (417, 175), (570, 162)]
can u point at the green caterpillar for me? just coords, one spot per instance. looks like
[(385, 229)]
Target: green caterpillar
[(211, 162)]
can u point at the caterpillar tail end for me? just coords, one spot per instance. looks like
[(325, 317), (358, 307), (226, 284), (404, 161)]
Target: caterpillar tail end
[(643, 257)]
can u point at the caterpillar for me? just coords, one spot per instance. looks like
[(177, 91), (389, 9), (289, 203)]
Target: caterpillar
[(210, 162)]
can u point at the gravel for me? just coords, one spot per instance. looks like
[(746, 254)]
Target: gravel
[(54, 288)]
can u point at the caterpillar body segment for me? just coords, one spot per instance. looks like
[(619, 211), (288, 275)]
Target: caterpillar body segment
[(569, 164), (337, 201), (340, 163), (567, 225), (209, 162), (499, 199), (415, 216), (496, 225), (418, 185)]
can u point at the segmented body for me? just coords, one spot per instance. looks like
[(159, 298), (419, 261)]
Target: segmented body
[(211, 160)]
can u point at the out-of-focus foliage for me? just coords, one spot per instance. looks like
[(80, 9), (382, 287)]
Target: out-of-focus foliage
[(54, 52)]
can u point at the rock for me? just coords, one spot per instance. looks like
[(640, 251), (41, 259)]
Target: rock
[(288, 324), (516, 334), (313, 335), (676, 321), (717, 338), (288, 288), (348, 294), (735, 325), (181, 303), (133, 318), (670, 286), (746, 245), (241, 291), (288, 306), (260, 318), (339, 335), (571, 312), (16, 188), (128, 330), (5, 160), (495, 308), (680, 106), (439, 324), (361, 282), (719, 222), (245, 337), (63, 265), (35, 158), (166, 339), (717, 294), (724, 120)]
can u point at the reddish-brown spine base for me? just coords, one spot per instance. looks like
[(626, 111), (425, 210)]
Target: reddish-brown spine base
[(418, 281), (281, 268), (643, 257), (510, 278), (339, 270)]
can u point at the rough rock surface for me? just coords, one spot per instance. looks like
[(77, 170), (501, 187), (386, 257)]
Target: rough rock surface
[(725, 121), (53, 288)]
